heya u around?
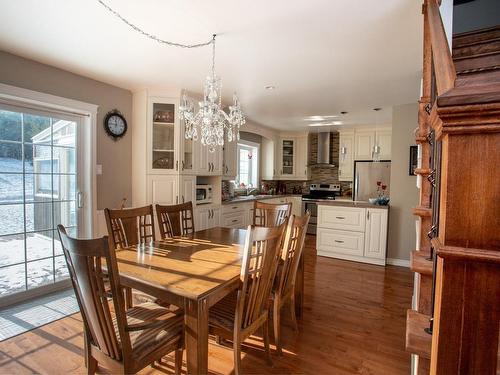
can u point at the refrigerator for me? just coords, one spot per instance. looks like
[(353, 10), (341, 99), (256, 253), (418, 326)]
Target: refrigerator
[(366, 176)]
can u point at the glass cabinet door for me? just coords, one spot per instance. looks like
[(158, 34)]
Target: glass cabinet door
[(287, 156), (163, 142), (187, 159)]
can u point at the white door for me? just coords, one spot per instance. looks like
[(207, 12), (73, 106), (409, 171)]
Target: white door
[(162, 189), (346, 162), (214, 219), (229, 159), (187, 189), (201, 158), (201, 219), (288, 157), (302, 170), (215, 161), (376, 233), (383, 140), (41, 185), (364, 141)]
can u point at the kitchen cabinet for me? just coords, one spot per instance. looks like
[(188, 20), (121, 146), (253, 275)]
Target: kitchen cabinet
[(215, 161), (207, 216), (268, 159), (287, 157), (237, 215), (352, 233), (302, 172), (346, 156), (229, 160), (187, 189), (363, 144), (162, 189), (383, 139)]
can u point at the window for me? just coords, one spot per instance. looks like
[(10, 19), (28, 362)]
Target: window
[(248, 164)]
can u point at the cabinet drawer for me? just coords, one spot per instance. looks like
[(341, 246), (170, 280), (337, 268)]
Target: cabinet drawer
[(342, 242), (343, 218), (233, 222), (239, 208)]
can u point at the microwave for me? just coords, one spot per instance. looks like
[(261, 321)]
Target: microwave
[(203, 194)]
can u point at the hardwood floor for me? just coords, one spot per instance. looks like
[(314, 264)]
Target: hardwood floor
[(354, 323)]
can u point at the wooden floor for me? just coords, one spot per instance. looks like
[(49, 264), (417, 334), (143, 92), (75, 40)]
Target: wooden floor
[(354, 323)]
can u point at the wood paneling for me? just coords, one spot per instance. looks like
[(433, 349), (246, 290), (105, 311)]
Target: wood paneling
[(354, 323)]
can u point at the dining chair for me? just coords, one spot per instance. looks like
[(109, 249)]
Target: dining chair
[(270, 215), (175, 220), (122, 341), (128, 227), (243, 312), (284, 286)]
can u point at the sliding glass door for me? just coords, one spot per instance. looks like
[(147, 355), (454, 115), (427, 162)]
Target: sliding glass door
[(39, 189)]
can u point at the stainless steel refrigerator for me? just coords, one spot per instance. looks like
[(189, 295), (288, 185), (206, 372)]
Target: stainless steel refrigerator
[(366, 176)]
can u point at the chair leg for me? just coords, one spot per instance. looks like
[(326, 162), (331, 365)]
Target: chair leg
[(178, 361), (277, 324), (292, 311), (91, 365), (237, 357), (265, 328), (128, 298)]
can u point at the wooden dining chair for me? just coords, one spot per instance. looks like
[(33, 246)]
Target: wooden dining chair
[(242, 313), (175, 220), (284, 286), (270, 215), (128, 227), (122, 341)]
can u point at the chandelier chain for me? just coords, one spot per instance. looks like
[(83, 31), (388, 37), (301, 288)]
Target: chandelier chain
[(154, 37)]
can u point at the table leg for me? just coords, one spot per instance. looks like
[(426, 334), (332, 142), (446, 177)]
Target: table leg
[(196, 322)]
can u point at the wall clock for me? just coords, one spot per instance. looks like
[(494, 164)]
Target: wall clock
[(115, 124)]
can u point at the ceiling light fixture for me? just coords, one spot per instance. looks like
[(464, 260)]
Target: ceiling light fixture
[(210, 120), (326, 123)]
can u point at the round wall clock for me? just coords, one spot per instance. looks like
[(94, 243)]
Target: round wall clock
[(115, 124)]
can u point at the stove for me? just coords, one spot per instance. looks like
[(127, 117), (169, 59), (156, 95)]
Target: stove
[(318, 192)]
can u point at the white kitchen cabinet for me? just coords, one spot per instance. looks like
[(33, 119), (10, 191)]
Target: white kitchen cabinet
[(268, 159), (352, 233), (215, 161), (187, 189), (206, 217), (162, 189), (288, 158), (187, 152), (363, 144), (229, 160), (376, 233), (236, 215), (302, 172), (346, 156), (383, 139), (296, 205)]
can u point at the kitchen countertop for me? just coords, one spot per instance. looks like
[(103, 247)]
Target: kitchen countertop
[(252, 198), (351, 203)]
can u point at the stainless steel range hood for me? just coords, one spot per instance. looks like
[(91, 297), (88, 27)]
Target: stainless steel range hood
[(323, 158)]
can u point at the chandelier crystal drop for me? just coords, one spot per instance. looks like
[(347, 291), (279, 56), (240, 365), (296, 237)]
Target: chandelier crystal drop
[(211, 122)]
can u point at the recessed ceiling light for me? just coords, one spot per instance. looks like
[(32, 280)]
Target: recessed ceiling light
[(326, 123), (344, 113), (320, 118), (270, 87)]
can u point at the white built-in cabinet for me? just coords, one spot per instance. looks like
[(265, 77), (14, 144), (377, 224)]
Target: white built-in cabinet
[(346, 155), (364, 140), (287, 160), (229, 160), (352, 233), (207, 216), (383, 139)]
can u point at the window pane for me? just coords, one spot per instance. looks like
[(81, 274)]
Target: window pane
[(39, 245), (61, 268), (66, 160), (57, 242), (38, 216), (34, 157), (64, 133), (65, 213), (11, 250), (12, 279), (10, 126), (13, 219), (40, 272), (36, 129), (64, 187), (11, 158), (11, 188)]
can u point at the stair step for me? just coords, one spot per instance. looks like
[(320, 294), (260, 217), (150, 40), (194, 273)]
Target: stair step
[(476, 37), (471, 94), (420, 263), (417, 340), (422, 211), (477, 49), (478, 63)]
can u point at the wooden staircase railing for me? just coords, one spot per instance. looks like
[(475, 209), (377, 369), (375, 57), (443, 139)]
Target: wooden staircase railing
[(459, 121)]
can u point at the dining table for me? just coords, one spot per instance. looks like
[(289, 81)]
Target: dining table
[(192, 272)]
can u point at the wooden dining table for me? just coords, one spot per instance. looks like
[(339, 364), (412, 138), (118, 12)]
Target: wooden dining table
[(194, 273)]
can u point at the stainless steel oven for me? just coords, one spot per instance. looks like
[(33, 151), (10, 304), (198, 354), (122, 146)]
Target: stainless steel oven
[(312, 207)]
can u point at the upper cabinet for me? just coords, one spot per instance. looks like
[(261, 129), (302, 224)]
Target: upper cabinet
[(229, 160), (346, 155), (383, 139), (163, 135), (364, 141), (302, 171), (287, 157), (291, 156)]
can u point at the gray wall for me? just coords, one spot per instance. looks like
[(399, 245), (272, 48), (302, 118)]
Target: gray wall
[(115, 182), (475, 15), (404, 193), (251, 137)]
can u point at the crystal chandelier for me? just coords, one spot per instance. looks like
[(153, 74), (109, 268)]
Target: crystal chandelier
[(211, 122)]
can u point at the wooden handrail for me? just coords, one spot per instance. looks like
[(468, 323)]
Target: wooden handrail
[(444, 67)]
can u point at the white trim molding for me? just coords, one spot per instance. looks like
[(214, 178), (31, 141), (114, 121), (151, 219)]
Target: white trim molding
[(398, 262)]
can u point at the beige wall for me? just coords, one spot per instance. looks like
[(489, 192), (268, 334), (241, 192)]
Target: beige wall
[(404, 193), (115, 157)]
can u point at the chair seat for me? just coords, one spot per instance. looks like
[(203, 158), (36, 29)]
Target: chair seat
[(147, 340), (222, 314)]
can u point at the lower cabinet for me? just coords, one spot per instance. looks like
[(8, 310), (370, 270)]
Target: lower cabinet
[(352, 233), (206, 217)]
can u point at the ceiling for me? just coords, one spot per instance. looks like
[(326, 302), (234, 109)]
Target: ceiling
[(323, 56)]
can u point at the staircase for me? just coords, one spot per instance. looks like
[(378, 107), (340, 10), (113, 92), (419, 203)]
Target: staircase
[(459, 210)]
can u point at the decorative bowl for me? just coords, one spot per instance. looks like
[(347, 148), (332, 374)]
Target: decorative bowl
[(373, 200)]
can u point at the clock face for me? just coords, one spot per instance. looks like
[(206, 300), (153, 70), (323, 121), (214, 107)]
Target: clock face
[(115, 125)]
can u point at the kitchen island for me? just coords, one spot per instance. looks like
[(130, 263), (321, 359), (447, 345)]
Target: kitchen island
[(352, 230)]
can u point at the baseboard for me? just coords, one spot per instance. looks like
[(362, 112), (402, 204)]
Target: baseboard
[(398, 262)]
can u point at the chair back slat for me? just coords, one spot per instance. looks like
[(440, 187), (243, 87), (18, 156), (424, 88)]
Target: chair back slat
[(84, 259), (130, 226), (260, 259), (292, 251), (270, 215), (175, 220)]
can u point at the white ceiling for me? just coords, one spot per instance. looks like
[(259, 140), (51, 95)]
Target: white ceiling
[(323, 56)]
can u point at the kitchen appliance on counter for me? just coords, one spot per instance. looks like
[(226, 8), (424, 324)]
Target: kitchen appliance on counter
[(318, 192), (203, 194), (366, 176)]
